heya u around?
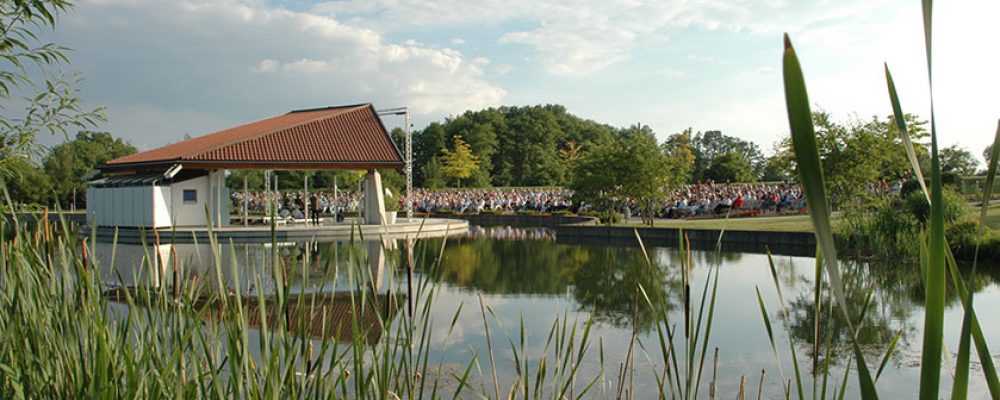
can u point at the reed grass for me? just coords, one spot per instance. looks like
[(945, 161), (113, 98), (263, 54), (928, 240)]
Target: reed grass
[(935, 257), (65, 333)]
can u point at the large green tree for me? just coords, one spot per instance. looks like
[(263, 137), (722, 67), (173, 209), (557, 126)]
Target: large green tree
[(730, 167), (432, 173), (427, 145), (459, 163), (67, 164), (633, 166), (957, 160), (682, 154), (645, 171), (53, 105), (711, 144), (858, 152), (27, 184), (517, 146)]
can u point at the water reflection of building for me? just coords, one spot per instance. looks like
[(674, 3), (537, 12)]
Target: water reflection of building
[(329, 285)]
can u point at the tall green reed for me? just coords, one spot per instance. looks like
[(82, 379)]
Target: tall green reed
[(935, 258)]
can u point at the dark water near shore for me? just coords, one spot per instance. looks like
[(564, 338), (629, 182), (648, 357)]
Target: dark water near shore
[(528, 279)]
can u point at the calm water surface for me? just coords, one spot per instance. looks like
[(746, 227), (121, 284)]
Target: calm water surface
[(529, 279)]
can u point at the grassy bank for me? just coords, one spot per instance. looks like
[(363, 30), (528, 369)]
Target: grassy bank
[(791, 223)]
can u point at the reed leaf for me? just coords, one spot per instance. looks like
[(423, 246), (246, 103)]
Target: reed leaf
[(904, 133), (935, 279), (888, 353), (813, 184)]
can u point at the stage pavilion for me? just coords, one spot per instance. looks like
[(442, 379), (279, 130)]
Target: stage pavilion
[(182, 186)]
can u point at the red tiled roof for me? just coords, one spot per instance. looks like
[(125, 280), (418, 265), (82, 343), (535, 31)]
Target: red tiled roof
[(336, 137)]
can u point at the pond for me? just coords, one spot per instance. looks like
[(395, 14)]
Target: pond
[(530, 281)]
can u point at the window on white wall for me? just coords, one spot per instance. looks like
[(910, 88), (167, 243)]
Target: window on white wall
[(190, 196)]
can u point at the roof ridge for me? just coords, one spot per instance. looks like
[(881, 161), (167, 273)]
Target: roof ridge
[(269, 132), (301, 110)]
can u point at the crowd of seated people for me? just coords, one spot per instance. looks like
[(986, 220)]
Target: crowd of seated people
[(498, 199), (293, 204), (695, 200), (753, 198)]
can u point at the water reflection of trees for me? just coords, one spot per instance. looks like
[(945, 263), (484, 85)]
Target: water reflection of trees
[(896, 293), (609, 283), (600, 278)]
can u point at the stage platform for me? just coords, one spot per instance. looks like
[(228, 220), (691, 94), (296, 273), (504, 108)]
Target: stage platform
[(326, 231)]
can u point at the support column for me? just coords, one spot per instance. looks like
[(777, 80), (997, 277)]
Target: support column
[(267, 193), (218, 197), (305, 198), (374, 201), (246, 202)]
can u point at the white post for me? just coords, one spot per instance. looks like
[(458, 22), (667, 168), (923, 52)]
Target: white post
[(305, 197), (219, 183), (374, 204), (336, 200), (246, 202), (409, 166), (267, 191)]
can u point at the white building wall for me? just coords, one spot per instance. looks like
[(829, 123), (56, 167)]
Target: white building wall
[(189, 214), (193, 214), (160, 205), (160, 212)]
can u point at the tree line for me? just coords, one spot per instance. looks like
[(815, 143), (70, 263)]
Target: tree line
[(537, 146), (61, 176), (542, 145)]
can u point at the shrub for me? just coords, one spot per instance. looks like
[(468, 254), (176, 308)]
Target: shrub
[(909, 186), (915, 203), (391, 203), (950, 179), (609, 217)]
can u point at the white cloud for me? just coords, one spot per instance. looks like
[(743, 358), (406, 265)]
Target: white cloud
[(268, 65), (239, 61), (672, 72), (242, 60), (585, 36)]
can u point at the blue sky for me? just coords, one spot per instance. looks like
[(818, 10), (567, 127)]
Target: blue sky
[(169, 68)]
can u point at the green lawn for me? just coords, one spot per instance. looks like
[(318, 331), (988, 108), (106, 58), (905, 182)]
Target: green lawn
[(992, 217), (794, 223)]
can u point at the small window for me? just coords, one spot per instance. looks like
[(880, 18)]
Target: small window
[(190, 196)]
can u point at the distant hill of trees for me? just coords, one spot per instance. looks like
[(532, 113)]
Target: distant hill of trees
[(536, 145)]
